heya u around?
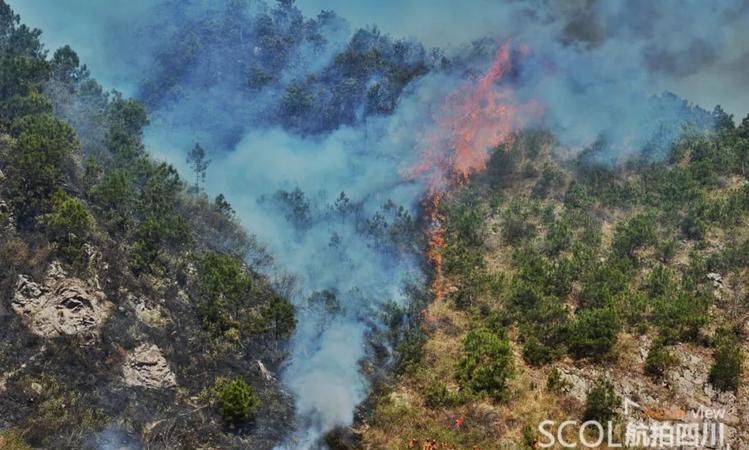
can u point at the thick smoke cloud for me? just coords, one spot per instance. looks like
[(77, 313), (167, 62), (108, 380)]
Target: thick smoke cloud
[(693, 48), (697, 48), (591, 66)]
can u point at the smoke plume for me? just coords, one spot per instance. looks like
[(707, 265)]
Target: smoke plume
[(326, 139)]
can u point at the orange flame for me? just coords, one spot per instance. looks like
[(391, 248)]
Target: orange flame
[(473, 120), (435, 241)]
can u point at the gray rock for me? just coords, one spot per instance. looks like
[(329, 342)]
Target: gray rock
[(60, 305), (147, 367)]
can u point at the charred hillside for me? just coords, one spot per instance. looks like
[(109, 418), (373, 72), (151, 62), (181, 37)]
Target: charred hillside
[(128, 311)]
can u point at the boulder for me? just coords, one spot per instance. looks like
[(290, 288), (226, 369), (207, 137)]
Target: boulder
[(147, 367), (60, 305)]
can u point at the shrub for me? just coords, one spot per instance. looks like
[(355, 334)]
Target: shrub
[(550, 180), (115, 198), (410, 350), (660, 282), (666, 250), (486, 364), (235, 399), (38, 165), (578, 196), (601, 403), (517, 225), (437, 395), (162, 227), (279, 316), (558, 238), (594, 333), (659, 360), (637, 232), (69, 224), (725, 374), (537, 352), (693, 227), (153, 236), (12, 440), (555, 382), (224, 289), (604, 282), (680, 315)]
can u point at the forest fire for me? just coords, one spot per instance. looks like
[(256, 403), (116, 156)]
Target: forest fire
[(473, 120), (436, 240)]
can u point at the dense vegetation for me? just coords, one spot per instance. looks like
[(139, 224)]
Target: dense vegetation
[(277, 67), (576, 263), (77, 186), (550, 264)]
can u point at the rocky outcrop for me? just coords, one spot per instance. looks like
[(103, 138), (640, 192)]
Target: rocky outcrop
[(681, 397), (149, 313), (60, 305), (146, 367)]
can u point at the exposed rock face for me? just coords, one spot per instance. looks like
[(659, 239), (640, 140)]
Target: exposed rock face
[(60, 305), (149, 313), (679, 398), (146, 366)]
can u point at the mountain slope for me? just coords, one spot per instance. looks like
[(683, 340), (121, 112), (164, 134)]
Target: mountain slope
[(128, 312), (564, 276)]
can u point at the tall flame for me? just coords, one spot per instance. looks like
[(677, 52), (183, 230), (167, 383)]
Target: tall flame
[(473, 120)]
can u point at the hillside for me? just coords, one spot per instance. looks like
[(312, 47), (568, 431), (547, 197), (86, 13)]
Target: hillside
[(128, 311), (303, 235), (569, 282)]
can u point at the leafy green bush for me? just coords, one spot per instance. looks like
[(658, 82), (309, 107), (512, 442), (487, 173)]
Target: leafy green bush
[(601, 403), (161, 227), (153, 236), (635, 233), (558, 238), (410, 350), (549, 180), (693, 226), (12, 440), (680, 315), (437, 395), (517, 225), (660, 282), (115, 198), (537, 353), (604, 282), (666, 250), (225, 289), (235, 399), (39, 164), (659, 360), (594, 333), (486, 364), (577, 196), (725, 374), (69, 224), (279, 316)]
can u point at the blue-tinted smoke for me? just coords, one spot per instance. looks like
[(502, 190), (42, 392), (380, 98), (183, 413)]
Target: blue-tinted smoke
[(295, 110)]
